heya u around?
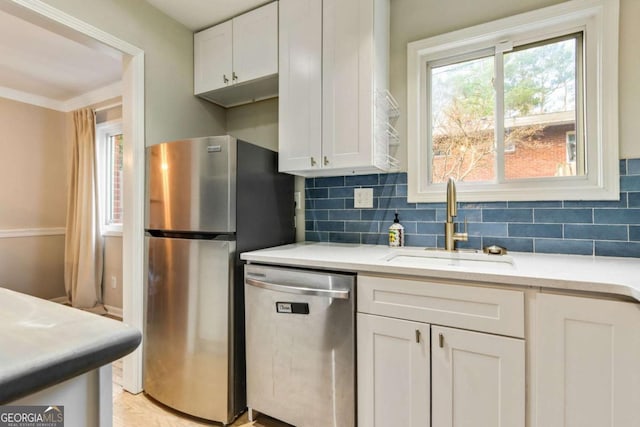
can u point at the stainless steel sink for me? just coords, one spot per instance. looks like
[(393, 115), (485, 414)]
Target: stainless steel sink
[(462, 259)]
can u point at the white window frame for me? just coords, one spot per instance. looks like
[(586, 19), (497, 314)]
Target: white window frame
[(103, 132), (566, 141), (598, 20)]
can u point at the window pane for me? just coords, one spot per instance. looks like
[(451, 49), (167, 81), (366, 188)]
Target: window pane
[(540, 111), (114, 210), (462, 121)]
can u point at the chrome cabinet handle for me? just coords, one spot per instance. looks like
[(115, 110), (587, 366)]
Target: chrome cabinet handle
[(299, 290), (418, 336), (441, 340)]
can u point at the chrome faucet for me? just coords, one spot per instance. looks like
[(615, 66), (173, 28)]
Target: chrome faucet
[(450, 234)]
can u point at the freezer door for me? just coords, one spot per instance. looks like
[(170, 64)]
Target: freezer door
[(191, 185), (300, 346), (186, 337)]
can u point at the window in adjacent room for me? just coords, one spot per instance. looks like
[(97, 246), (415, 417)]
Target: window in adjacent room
[(524, 108), (110, 159)]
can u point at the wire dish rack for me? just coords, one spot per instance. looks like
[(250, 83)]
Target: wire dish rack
[(385, 133)]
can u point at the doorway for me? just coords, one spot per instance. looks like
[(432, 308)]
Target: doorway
[(45, 16)]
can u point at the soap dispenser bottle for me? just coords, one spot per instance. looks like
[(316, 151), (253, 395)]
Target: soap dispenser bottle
[(396, 233)]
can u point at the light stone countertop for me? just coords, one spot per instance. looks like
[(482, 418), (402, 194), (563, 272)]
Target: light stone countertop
[(608, 275), (43, 343)]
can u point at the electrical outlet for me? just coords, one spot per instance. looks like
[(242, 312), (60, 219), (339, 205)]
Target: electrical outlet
[(363, 198), (114, 282)]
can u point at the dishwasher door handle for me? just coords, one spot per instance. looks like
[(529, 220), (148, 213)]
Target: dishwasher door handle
[(299, 290)]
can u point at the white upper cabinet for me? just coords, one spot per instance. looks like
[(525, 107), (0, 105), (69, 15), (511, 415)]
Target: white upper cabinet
[(334, 67), (213, 58), (237, 61), (255, 44), (300, 102)]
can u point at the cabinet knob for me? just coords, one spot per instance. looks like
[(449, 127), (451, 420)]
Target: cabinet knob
[(326, 161), (225, 79), (313, 161), (234, 76)]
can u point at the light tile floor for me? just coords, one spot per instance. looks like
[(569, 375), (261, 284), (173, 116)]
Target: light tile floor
[(141, 411)]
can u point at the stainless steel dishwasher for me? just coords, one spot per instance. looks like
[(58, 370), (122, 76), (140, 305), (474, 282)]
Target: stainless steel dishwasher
[(300, 345)]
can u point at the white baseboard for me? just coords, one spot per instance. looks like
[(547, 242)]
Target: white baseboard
[(60, 300), (114, 311)]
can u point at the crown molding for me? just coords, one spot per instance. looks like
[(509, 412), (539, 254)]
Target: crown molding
[(30, 98), (95, 96), (90, 98)]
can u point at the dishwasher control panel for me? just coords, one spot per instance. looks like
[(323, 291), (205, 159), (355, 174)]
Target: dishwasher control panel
[(292, 307)]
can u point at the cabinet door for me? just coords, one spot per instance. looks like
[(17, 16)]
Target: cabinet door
[(255, 43), (212, 58), (347, 83), (393, 372), (587, 362), (477, 379), (300, 84)]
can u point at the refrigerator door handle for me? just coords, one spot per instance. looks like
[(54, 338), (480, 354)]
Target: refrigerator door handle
[(299, 290)]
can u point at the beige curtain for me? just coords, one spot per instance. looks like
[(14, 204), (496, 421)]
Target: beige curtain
[(83, 241)]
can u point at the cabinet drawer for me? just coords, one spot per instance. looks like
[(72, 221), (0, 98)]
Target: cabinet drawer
[(497, 311)]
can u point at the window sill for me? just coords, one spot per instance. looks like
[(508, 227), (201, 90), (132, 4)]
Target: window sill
[(111, 233), (525, 190)]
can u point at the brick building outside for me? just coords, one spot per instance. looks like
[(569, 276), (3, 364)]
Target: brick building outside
[(538, 146)]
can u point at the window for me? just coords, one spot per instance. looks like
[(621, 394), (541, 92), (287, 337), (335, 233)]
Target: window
[(516, 109), (110, 157)]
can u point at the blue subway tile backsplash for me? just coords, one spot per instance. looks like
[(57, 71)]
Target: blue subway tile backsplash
[(563, 216), (507, 215), (596, 232), (557, 246), (605, 228), (634, 200), (630, 183), (536, 230), (632, 167), (625, 249), (616, 216)]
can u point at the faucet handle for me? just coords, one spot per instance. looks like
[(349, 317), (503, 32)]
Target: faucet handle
[(464, 236), (465, 225)]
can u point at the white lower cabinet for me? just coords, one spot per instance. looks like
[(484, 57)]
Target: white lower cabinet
[(477, 379), (587, 355), (418, 367), (413, 374), (461, 354), (393, 372)]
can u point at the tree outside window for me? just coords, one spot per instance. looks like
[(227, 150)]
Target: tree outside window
[(537, 100)]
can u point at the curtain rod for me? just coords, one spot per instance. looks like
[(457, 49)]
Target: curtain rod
[(108, 107)]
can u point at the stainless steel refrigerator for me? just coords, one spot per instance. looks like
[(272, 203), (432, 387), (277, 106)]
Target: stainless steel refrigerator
[(208, 200)]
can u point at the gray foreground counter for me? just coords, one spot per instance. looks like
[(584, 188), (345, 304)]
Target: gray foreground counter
[(44, 343)]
